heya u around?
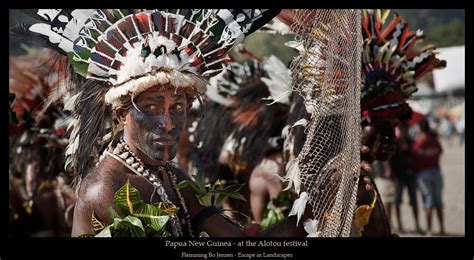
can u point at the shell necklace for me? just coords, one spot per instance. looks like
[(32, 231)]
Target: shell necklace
[(123, 154)]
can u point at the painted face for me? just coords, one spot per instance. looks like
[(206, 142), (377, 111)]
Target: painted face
[(381, 139), (155, 122)]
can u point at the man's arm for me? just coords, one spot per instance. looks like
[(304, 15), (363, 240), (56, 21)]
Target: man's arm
[(81, 222), (217, 226), (92, 199)]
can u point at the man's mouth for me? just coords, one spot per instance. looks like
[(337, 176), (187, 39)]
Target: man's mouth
[(165, 141)]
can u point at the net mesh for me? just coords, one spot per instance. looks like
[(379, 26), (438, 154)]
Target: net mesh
[(327, 75)]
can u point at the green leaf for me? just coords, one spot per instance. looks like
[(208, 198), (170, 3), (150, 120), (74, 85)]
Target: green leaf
[(94, 33), (168, 208), (112, 213), (79, 67), (201, 185), (233, 195), (117, 221), (97, 226), (134, 221), (128, 227), (116, 14), (280, 216), (220, 200), (198, 186), (142, 219), (119, 228), (104, 233), (223, 195), (182, 184), (205, 200), (127, 198), (233, 188), (153, 216), (134, 225)]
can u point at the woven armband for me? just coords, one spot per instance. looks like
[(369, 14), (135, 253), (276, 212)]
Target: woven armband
[(205, 213)]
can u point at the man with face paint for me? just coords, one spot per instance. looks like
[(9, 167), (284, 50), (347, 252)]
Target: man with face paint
[(154, 123), (390, 69), (135, 74)]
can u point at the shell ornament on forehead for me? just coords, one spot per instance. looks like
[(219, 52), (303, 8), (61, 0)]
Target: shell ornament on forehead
[(119, 52)]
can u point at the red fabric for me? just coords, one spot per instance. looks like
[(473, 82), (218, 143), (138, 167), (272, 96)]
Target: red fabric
[(383, 99), (252, 230), (427, 151), (416, 117)]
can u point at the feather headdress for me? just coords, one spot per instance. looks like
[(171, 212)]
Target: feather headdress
[(391, 65), (249, 121), (36, 80), (272, 72), (226, 84), (122, 52)]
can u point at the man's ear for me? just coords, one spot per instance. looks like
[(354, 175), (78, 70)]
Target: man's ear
[(121, 114)]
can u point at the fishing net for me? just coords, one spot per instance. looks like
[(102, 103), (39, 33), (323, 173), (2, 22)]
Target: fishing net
[(327, 75)]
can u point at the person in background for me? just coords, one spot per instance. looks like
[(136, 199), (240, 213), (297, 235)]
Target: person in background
[(427, 151), (401, 165), (461, 130)]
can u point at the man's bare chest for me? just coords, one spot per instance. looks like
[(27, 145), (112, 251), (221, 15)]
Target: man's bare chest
[(148, 192)]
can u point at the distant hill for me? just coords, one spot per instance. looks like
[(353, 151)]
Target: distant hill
[(443, 27)]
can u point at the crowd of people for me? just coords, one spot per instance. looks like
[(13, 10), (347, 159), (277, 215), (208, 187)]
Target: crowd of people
[(415, 166)]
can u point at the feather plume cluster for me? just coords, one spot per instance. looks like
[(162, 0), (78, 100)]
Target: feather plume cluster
[(391, 65)]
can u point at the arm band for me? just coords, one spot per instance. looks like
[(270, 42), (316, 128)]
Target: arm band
[(205, 213)]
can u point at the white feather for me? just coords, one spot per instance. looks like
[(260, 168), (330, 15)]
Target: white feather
[(45, 29), (296, 45), (72, 147), (79, 17), (293, 176), (71, 124), (136, 86), (311, 227), (285, 131), (301, 122), (279, 81), (70, 103), (299, 205)]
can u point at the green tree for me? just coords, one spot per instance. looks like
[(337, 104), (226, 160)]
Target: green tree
[(449, 34)]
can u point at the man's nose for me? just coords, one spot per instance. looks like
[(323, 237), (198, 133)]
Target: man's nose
[(166, 123)]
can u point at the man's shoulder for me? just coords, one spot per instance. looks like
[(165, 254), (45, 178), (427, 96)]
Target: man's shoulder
[(101, 183)]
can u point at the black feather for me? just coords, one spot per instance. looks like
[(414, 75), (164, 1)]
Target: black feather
[(22, 31), (266, 17), (94, 114)]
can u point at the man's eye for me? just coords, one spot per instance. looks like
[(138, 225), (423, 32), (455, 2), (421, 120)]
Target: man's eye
[(151, 107), (178, 107)]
